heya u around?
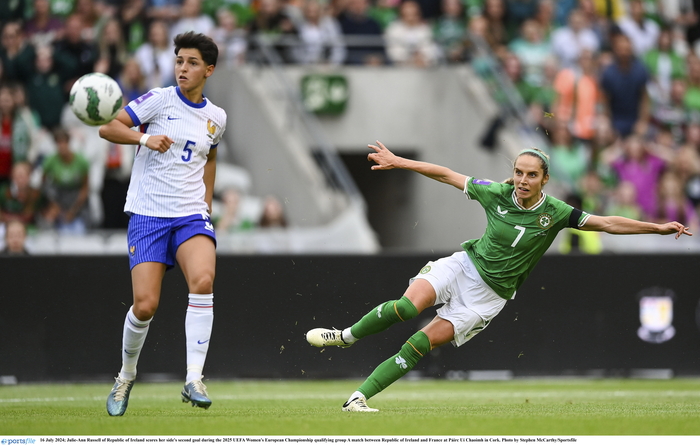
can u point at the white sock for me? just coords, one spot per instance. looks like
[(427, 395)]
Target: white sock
[(198, 323), (355, 395), (347, 336), (134, 336)]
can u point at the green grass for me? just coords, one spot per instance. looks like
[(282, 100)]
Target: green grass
[(301, 408)]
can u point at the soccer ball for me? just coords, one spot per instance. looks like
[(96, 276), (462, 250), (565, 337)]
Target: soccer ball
[(95, 99)]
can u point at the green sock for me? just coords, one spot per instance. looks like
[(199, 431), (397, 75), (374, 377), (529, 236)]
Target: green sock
[(397, 366), (383, 316)]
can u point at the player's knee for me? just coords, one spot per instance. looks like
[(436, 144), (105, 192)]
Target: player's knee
[(202, 283), (145, 310), (404, 309)]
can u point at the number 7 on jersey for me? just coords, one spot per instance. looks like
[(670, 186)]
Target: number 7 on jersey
[(521, 229)]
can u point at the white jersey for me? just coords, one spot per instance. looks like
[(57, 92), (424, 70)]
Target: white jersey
[(171, 184)]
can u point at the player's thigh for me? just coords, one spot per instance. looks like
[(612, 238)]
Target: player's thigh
[(421, 293), (197, 259), (146, 281)]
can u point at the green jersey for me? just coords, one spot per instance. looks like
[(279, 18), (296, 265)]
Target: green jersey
[(515, 237)]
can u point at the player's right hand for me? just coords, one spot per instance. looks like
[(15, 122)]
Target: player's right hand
[(159, 143)]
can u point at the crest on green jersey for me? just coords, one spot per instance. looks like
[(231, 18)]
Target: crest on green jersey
[(544, 220)]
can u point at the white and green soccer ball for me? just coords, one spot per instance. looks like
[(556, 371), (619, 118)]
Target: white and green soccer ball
[(95, 99)]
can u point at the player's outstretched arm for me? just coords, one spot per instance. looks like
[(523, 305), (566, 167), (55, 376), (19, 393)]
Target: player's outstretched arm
[(618, 225), (119, 131), (386, 160)]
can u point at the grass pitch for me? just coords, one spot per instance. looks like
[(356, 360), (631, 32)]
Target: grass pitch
[(407, 408)]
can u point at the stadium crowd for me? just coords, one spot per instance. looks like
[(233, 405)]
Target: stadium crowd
[(614, 85)]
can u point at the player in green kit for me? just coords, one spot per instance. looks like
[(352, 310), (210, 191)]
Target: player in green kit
[(474, 284)]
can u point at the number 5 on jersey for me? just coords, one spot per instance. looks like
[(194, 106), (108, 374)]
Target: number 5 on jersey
[(188, 151)]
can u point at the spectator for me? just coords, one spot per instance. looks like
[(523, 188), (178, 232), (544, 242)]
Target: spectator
[(72, 55), (664, 65), (409, 40), (156, 57), (43, 27), (673, 202), (45, 89), (449, 31), (272, 21), (598, 23), (356, 23), (603, 138), (192, 19), (384, 12), (639, 166), (112, 48), (16, 54), (18, 199), (568, 42), (518, 12), (15, 239), (544, 95), (132, 16), (686, 164), (612, 10), (624, 201), (273, 213), (66, 188), (671, 114), (594, 198), (62, 8), (93, 16), (642, 31), (166, 10), (692, 93), (230, 39), (14, 134), (11, 11), (115, 186), (132, 81), (29, 120), (321, 37), (533, 51), (496, 33), (429, 9), (623, 90), (569, 158), (231, 220), (547, 13), (513, 70), (577, 95)]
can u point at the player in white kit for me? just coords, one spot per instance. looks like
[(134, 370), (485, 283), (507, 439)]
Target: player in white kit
[(169, 203)]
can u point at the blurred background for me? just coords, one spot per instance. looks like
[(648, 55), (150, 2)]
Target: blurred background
[(609, 88)]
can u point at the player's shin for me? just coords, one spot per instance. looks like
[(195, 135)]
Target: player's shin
[(383, 316), (199, 320), (397, 366), (134, 336)]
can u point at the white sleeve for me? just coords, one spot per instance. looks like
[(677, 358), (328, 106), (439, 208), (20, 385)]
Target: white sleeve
[(145, 108)]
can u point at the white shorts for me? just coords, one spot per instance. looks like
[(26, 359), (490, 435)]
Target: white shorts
[(469, 303)]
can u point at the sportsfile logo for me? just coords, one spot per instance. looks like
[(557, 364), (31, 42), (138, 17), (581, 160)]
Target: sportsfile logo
[(14, 441)]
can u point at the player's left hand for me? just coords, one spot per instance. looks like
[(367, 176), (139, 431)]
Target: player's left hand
[(675, 227), (385, 159)]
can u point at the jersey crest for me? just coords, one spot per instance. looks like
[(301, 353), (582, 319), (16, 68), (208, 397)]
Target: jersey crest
[(544, 220), (211, 128)]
